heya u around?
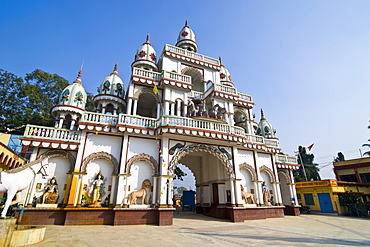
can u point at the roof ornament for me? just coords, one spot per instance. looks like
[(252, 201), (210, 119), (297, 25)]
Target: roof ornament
[(186, 23), (78, 79), (147, 39), (262, 115), (219, 58), (115, 71)]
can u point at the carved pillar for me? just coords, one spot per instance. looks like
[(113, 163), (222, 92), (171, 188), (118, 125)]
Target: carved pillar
[(135, 108), (173, 109), (122, 181), (166, 108), (155, 190), (158, 110), (232, 192), (129, 106), (112, 198), (259, 193)]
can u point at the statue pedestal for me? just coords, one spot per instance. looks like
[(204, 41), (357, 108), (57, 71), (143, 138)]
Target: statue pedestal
[(250, 205), (7, 227), (46, 205), (139, 206)]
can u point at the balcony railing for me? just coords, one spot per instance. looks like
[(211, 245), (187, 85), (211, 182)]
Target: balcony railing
[(225, 89), (51, 133), (286, 159), (272, 143), (147, 74), (200, 124), (176, 77), (245, 97), (191, 54), (99, 118), (146, 122), (195, 94)]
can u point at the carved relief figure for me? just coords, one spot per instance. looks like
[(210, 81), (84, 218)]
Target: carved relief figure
[(266, 194), (51, 192), (217, 112), (247, 197), (143, 193), (96, 190)]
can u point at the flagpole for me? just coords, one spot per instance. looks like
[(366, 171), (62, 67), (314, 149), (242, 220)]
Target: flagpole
[(304, 169)]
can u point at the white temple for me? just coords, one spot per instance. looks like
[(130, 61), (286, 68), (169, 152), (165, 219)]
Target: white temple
[(180, 107)]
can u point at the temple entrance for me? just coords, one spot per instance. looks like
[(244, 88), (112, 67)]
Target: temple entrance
[(212, 182)]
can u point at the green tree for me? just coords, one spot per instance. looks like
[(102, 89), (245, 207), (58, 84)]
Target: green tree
[(41, 91), (179, 174), (340, 157), (11, 100), (312, 169)]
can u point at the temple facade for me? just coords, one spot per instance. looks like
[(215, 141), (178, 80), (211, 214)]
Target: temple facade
[(117, 165)]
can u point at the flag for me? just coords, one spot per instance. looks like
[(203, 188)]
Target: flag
[(310, 147), (155, 89)]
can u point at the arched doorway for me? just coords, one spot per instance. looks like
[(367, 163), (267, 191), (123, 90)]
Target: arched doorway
[(147, 105), (213, 174)]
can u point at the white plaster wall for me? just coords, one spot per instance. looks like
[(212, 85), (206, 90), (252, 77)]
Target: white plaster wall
[(177, 94), (264, 160), (246, 156), (59, 168), (284, 187), (246, 181), (141, 145), (139, 171), (93, 168), (103, 143), (169, 64)]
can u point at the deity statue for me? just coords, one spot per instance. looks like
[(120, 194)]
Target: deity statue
[(266, 194), (96, 191), (51, 192)]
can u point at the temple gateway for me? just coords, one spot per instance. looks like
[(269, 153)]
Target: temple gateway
[(117, 165)]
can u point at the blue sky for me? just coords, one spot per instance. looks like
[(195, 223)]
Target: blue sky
[(306, 63)]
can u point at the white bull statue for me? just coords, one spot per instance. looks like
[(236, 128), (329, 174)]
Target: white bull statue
[(16, 180)]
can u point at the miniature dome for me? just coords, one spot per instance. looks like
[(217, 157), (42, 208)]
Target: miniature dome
[(112, 84), (146, 56), (74, 94), (225, 77), (186, 39), (265, 129)]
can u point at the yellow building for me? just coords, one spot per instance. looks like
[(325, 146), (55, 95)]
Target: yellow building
[(328, 196), (8, 158), (356, 170)]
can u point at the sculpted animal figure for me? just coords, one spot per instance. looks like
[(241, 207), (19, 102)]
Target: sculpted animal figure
[(143, 193), (18, 179), (247, 197)]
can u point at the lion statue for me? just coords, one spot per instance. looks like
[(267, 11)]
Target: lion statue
[(247, 197), (143, 193)]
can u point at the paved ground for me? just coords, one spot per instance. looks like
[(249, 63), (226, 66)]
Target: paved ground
[(190, 229)]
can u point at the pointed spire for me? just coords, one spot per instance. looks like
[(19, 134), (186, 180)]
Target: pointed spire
[(147, 39), (186, 23), (262, 115), (115, 71), (78, 79)]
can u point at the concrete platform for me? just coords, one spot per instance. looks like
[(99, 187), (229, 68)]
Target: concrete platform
[(190, 229)]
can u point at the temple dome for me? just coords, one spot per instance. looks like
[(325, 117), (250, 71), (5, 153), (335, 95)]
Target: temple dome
[(112, 84), (74, 94), (146, 56), (265, 129), (186, 39)]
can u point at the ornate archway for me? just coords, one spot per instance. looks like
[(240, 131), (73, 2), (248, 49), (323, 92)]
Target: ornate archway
[(269, 172), (100, 155), (286, 175), (180, 153), (142, 157), (250, 169), (60, 153)]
